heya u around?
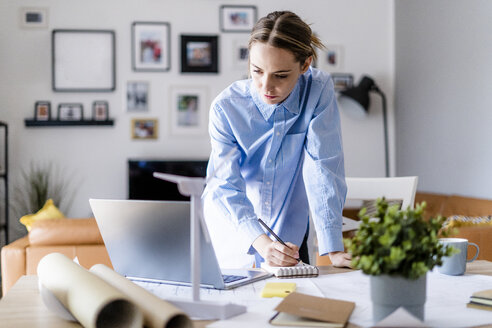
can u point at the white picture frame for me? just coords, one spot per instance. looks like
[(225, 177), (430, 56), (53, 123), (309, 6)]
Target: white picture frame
[(240, 54), (188, 110), (331, 58), (83, 60), (30, 17), (137, 96), (236, 19)]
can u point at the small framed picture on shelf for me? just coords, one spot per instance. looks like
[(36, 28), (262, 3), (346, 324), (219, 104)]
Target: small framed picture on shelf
[(151, 46), (342, 81), (100, 110), (237, 18), (70, 112), (42, 111), (144, 128), (199, 54)]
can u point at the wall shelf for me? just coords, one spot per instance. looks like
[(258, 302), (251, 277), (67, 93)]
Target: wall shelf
[(34, 123)]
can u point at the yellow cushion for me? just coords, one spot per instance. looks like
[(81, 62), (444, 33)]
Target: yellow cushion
[(49, 211), (456, 221)]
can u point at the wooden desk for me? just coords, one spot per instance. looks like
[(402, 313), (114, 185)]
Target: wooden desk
[(23, 307)]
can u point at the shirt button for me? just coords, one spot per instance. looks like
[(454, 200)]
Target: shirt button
[(266, 203), (278, 133), (269, 161), (268, 182)]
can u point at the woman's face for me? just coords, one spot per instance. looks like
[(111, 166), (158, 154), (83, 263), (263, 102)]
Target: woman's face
[(274, 71)]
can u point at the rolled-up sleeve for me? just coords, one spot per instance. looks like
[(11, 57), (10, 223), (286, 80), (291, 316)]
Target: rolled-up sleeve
[(324, 173)]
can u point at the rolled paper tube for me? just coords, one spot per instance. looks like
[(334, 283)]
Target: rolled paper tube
[(157, 312), (91, 300)]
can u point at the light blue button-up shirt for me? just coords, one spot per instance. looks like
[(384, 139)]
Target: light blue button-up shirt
[(288, 158)]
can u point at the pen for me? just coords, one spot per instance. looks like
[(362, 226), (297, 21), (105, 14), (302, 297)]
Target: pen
[(274, 234)]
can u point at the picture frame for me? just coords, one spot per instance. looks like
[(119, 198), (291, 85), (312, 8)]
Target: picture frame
[(330, 59), (100, 110), (236, 19), (188, 110), (342, 81), (42, 111), (33, 17), (137, 96), (83, 60), (240, 54), (70, 112), (144, 128), (199, 54), (151, 46)]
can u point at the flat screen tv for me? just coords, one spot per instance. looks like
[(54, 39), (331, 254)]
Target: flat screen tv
[(143, 186)]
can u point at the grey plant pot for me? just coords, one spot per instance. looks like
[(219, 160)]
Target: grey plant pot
[(388, 293)]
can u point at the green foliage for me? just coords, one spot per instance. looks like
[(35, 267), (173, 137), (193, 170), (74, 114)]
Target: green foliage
[(36, 185), (397, 242)]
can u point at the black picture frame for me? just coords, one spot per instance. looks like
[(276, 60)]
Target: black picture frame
[(100, 110), (70, 112), (151, 46), (199, 54), (83, 60), (42, 111), (237, 18)]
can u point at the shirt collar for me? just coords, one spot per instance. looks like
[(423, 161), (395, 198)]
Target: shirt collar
[(291, 103)]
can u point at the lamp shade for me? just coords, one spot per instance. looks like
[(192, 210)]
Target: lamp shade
[(355, 101)]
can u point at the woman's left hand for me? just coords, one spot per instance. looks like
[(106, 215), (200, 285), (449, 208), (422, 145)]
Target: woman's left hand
[(340, 259)]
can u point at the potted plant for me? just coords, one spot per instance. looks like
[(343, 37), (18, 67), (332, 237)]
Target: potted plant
[(397, 248)]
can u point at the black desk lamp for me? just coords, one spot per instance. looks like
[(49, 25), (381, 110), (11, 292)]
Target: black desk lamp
[(355, 101)]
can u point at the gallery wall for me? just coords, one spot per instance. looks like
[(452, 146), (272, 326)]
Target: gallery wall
[(94, 159), (443, 97)]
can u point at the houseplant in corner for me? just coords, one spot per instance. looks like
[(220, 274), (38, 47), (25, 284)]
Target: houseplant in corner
[(397, 248)]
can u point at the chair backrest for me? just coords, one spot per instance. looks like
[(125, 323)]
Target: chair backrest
[(360, 189), (400, 188)]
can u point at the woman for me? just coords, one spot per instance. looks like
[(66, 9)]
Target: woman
[(276, 153)]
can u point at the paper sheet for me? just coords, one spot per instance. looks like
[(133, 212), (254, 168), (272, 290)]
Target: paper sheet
[(447, 297)]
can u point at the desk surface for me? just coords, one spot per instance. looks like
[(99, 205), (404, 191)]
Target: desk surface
[(23, 307)]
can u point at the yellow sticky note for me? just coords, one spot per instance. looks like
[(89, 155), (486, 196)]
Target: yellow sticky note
[(278, 289)]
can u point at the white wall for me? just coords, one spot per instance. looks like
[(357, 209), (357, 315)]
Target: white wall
[(97, 157), (443, 94)]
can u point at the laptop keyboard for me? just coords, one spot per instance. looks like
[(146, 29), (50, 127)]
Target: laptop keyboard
[(230, 278)]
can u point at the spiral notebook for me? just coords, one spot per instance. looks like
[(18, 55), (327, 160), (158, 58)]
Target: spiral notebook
[(300, 270)]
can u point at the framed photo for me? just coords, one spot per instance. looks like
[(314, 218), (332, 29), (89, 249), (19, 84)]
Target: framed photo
[(137, 96), (70, 112), (151, 46), (33, 17), (42, 111), (188, 110), (199, 54), (331, 58), (144, 128), (100, 110), (342, 81), (83, 60), (237, 18), (240, 54)]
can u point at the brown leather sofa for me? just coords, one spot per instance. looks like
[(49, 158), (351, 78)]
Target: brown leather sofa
[(72, 237), (449, 205)]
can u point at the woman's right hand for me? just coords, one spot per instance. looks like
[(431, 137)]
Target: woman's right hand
[(276, 254)]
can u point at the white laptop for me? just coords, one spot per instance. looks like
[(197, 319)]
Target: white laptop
[(150, 241)]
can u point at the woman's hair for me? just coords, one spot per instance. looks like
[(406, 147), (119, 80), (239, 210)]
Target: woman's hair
[(284, 29)]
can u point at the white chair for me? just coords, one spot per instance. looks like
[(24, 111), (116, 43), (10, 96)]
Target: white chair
[(361, 189)]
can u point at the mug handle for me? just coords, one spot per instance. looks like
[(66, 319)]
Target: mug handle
[(476, 253)]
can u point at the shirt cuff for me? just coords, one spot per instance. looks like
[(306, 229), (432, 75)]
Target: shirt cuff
[(251, 230), (330, 240)]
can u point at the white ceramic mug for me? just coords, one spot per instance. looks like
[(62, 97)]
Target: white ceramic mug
[(455, 264)]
